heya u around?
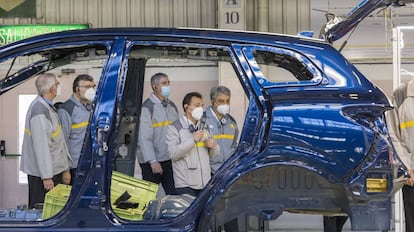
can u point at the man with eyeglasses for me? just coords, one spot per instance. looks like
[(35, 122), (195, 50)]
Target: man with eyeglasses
[(74, 115), (45, 156)]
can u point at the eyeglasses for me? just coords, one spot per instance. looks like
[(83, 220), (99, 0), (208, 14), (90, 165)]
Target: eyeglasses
[(87, 86)]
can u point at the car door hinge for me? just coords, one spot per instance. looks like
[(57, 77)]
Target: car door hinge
[(103, 129)]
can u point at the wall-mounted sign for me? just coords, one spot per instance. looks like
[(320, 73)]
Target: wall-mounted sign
[(232, 14), (12, 33)]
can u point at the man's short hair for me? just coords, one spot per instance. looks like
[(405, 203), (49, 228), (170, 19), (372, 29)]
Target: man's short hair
[(189, 96), (44, 82), (155, 79), (215, 91), (79, 78)]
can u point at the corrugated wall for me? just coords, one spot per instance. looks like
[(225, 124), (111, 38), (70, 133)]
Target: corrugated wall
[(130, 13), (281, 16)]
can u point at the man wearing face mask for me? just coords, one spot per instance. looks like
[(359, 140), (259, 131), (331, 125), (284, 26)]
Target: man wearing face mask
[(157, 113), (74, 115), (221, 125), (190, 147), (45, 156), (224, 130)]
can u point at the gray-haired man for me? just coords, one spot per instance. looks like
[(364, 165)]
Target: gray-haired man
[(45, 156), (223, 128), (152, 153)]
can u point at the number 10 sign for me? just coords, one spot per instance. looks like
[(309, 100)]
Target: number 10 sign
[(232, 14)]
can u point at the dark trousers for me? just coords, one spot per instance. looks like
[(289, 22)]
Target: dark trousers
[(408, 198), (72, 175), (333, 224), (36, 190), (166, 179)]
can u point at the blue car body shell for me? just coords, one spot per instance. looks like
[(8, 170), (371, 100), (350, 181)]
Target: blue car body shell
[(297, 136)]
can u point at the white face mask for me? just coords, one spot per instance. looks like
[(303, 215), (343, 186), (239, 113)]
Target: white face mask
[(165, 91), (223, 109), (58, 90), (197, 113), (90, 94)]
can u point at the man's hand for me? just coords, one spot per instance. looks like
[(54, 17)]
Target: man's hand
[(410, 181), (66, 177), (156, 168), (198, 135), (48, 184), (211, 143)]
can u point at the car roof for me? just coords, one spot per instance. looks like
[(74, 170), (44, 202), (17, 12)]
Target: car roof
[(183, 34)]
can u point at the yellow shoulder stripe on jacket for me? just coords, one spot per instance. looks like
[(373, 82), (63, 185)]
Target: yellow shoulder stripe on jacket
[(224, 136), (27, 131), (79, 125), (57, 132), (160, 124), (405, 125)]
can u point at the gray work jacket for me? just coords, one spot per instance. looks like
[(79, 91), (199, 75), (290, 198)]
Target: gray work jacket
[(225, 133), (74, 117), (44, 151), (190, 159), (401, 123), (155, 117)]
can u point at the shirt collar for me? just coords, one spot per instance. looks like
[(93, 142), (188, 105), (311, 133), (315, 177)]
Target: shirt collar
[(189, 122), (80, 104), (154, 98), (214, 113), (48, 101)]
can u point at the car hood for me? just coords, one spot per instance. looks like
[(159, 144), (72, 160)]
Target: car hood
[(337, 27)]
